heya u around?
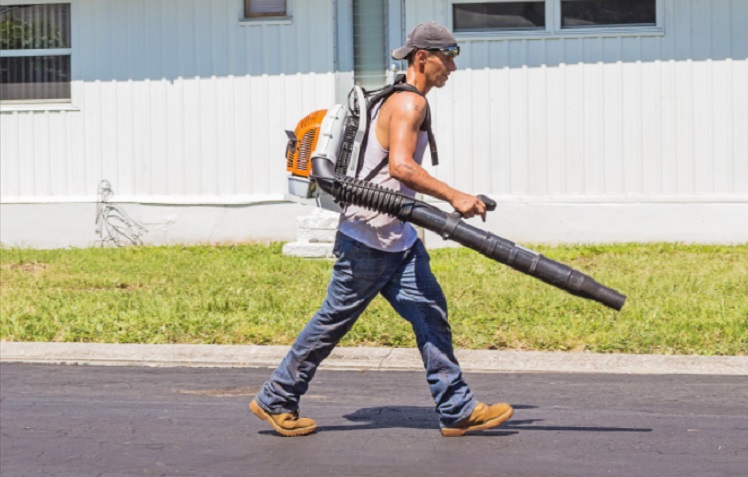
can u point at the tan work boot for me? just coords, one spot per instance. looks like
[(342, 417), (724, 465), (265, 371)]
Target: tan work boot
[(287, 424), (483, 417)]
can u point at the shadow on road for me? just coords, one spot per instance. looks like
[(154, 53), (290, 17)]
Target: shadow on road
[(416, 417)]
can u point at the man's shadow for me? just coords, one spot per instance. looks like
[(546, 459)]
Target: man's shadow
[(393, 417), (416, 417)]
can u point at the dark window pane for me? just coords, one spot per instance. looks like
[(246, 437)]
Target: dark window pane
[(34, 77), (264, 8), (28, 27), (575, 13), (498, 16)]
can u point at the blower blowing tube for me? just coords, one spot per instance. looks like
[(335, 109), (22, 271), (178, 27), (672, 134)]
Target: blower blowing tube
[(348, 190)]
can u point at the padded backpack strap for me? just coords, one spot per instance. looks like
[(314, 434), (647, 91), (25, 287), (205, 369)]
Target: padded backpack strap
[(398, 85), (426, 126)]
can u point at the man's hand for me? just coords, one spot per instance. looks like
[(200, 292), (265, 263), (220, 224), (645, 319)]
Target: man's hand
[(468, 205)]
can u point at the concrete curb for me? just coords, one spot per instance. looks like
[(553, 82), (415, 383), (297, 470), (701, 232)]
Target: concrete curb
[(362, 358)]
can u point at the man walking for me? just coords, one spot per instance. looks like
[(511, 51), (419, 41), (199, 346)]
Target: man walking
[(378, 254)]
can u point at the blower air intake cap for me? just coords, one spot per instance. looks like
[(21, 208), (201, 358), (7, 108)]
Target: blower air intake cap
[(428, 36), (302, 142)]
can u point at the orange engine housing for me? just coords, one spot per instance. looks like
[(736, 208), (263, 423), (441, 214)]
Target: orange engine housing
[(299, 151)]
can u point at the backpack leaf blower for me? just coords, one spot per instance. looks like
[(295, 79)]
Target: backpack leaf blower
[(318, 155)]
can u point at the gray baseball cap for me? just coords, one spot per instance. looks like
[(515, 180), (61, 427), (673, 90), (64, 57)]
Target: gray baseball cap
[(426, 36)]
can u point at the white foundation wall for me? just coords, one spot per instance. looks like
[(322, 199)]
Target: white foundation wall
[(73, 224), (535, 221), (49, 226)]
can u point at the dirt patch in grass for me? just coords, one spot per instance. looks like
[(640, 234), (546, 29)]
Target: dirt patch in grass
[(33, 267)]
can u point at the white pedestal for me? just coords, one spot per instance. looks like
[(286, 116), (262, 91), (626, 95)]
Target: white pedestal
[(315, 235)]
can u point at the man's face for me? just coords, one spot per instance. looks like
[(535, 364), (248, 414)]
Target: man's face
[(438, 68)]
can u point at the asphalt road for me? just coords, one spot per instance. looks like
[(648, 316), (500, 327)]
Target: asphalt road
[(127, 421)]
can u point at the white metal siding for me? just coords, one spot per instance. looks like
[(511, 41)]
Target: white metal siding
[(180, 99), (174, 98), (600, 116)]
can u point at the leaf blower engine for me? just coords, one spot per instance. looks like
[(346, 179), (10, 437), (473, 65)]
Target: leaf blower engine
[(335, 135), (322, 157)]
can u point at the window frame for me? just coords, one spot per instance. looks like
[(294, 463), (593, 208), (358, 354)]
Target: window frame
[(553, 28), (44, 104), (283, 17), (497, 30)]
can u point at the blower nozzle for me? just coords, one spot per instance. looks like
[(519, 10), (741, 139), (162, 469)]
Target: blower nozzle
[(348, 190)]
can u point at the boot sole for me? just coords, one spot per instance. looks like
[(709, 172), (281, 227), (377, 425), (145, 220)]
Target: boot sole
[(260, 412), (457, 432)]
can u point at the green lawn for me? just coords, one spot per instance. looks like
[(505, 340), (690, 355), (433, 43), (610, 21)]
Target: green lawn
[(682, 299)]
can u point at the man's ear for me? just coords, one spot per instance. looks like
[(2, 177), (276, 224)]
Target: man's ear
[(420, 58)]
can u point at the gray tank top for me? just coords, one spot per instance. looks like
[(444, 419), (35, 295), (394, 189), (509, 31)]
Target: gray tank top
[(375, 229)]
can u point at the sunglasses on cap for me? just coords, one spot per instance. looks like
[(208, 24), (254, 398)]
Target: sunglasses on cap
[(449, 51)]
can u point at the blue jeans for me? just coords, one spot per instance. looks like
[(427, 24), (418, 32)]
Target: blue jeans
[(406, 281)]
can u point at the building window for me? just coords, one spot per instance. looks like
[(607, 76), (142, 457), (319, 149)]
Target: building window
[(556, 17), (35, 52), (584, 13), (487, 16), (370, 55), (264, 8)]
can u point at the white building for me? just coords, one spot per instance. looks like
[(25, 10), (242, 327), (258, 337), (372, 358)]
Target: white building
[(588, 120)]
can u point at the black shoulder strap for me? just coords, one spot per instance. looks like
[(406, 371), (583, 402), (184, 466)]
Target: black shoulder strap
[(426, 126), (403, 86), (398, 85)]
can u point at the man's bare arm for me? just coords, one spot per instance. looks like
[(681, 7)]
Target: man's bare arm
[(408, 114)]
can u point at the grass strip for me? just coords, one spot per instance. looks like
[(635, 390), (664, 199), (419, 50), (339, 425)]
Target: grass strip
[(682, 299)]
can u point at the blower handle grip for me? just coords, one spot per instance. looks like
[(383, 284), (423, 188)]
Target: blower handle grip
[(456, 216), (490, 203)]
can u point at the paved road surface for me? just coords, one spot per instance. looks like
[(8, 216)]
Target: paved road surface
[(127, 421)]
